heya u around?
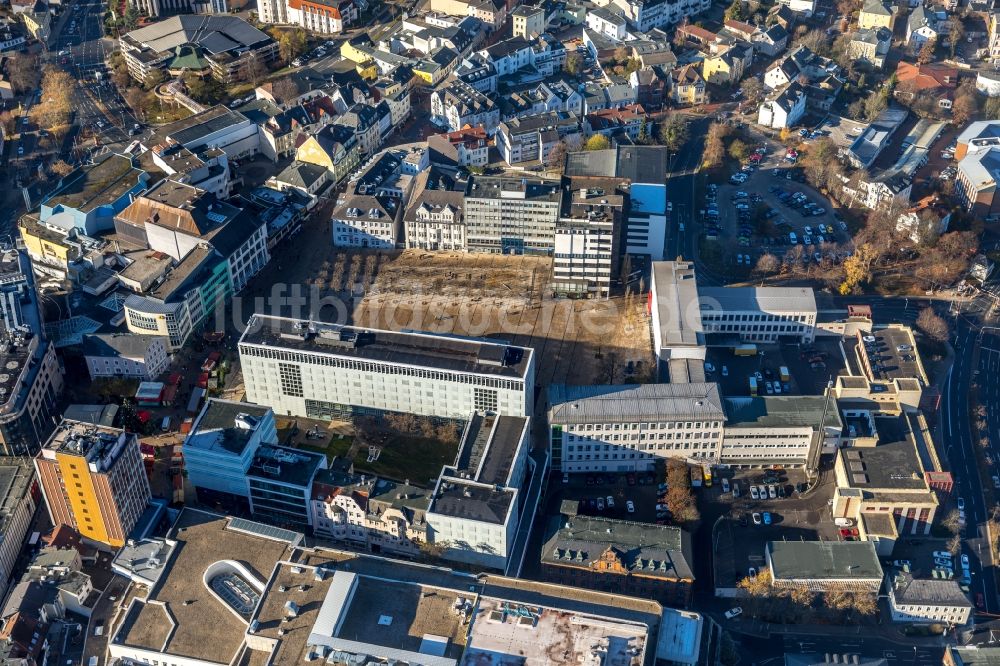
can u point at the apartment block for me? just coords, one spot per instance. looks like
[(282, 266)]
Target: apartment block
[(326, 371), (93, 480), (586, 255)]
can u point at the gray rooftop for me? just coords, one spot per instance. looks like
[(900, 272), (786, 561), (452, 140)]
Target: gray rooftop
[(928, 591), (215, 33), (472, 501), (634, 402), (221, 424), (401, 349), (515, 188), (126, 345), (659, 551), (781, 412), (757, 299), (824, 560), (677, 304)]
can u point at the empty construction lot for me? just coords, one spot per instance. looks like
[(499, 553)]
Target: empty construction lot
[(479, 295)]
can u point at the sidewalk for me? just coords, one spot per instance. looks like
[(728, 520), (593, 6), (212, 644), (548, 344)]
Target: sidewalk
[(879, 632)]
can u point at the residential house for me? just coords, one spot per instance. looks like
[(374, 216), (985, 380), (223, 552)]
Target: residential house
[(303, 177), (645, 15), (739, 30), (433, 219), (804, 7), (651, 86), (532, 138), (366, 221), (688, 86), (781, 15), (467, 147), (870, 45), (771, 42), (460, 105), (993, 36), (875, 14), (921, 27), (614, 122), (784, 109), (437, 66), (799, 63), (334, 147), (926, 219), (988, 83), (976, 183), (978, 136), (528, 21), (728, 66), (935, 80), (605, 22)]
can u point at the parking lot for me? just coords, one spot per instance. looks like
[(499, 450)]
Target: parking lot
[(594, 490), (747, 524), (767, 208), (809, 368)]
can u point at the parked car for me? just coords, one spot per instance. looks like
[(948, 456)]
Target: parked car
[(610, 502), (630, 506), (753, 493), (756, 518), (961, 504), (767, 517), (942, 554), (733, 612)]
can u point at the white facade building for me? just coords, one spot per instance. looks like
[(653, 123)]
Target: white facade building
[(630, 428), (778, 430), (509, 215), (759, 314), (361, 220), (605, 22), (126, 355), (223, 442), (434, 221), (934, 600), (584, 255), (325, 371)]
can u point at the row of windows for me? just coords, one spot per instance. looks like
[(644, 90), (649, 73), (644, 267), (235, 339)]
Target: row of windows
[(641, 437), (669, 425), (381, 368)]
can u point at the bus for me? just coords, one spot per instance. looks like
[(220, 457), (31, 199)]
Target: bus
[(745, 350)]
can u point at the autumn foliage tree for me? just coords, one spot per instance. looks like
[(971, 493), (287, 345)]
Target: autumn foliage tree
[(933, 325), (56, 102)]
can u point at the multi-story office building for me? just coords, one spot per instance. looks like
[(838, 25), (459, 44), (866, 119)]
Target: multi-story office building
[(511, 215), (232, 451), (125, 355), (159, 7), (326, 371), (94, 481), (779, 430), (532, 138), (29, 389), (17, 509), (631, 428), (586, 241)]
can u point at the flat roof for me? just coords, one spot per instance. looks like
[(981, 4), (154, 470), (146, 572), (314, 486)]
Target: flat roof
[(95, 185), (490, 444), (182, 617), (892, 354), (634, 402), (463, 499), (415, 349), (514, 188), (893, 463), (677, 303), (757, 299), (782, 412), (100, 446), (223, 426), (188, 131), (824, 560), (295, 467), (505, 634)]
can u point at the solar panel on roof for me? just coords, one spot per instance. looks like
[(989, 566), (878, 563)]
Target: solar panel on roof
[(262, 530)]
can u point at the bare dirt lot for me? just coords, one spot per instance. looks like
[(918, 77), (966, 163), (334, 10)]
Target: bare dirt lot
[(479, 295)]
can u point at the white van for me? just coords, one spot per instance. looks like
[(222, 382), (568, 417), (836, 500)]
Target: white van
[(165, 424), (843, 522)]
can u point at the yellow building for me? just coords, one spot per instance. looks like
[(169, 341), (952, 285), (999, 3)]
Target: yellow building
[(334, 147), (367, 70), (728, 66), (93, 480), (688, 86), (46, 248), (874, 14), (357, 49)]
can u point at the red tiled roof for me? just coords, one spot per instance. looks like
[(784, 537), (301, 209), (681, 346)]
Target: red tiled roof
[(926, 77)]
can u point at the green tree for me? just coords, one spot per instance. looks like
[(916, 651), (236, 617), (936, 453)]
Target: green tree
[(573, 64), (130, 19), (735, 11), (292, 43), (674, 132), (154, 78), (738, 150), (597, 142)]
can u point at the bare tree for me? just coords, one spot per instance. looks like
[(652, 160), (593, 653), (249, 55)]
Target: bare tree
[(933, 325), (952, 522)]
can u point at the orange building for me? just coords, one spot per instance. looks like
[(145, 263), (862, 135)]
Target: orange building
[(93, 480)]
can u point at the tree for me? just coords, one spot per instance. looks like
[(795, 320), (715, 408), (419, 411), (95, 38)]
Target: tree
[(715, 149), (816, 41), (23, 71), (61, 168), (674, 132), (965, 106), (933, 325), (954, 545), (621, 54), (768, 264), (56, 102), (857, 269), (738, 150), (735, 11), (573, 64), (153, 79), (557, 156), (865, 603), (756, 586), (252, 69), (926, 53), (992, 108), (291, 43), (876, 104), (952, 522), (130, 19), (752, 88), (136, 99), (956, 34), (204, 89), (597, 142)]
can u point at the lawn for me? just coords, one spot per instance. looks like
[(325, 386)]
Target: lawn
[(418, 459)]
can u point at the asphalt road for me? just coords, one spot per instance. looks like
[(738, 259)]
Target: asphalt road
[(681, 185)]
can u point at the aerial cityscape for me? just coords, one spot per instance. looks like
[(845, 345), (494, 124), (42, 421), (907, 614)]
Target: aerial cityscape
[(499, 332)]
